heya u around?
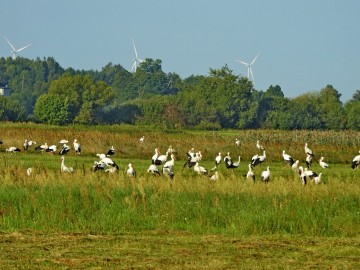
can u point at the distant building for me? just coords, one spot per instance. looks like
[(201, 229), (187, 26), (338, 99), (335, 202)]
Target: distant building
[(4, 91)]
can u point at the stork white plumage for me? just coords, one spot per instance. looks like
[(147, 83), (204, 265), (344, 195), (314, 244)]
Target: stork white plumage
[(259, 146), (250, 173), (218, 159), (13, 149), (249, 68), (136, 59), (233, 165), (200, 169), (77, 147), (307, 150), (355, 162), (131, 170), (155, 156), (317, 179), (170, 164), (237, 142), (161, 159), (265, 175), (258, 159), (142, 139), (295, 166), (64, 168), (303, 176), (308, 160), (51, 149), (27, 144), (42, 147), (64, 150), (14, 51), (287, 158), (154, 170), (323, 164), (310, 174), (111, 151)]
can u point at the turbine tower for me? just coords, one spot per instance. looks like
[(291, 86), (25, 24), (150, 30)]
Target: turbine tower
[(15, 51), (249, 69), (137, 60)]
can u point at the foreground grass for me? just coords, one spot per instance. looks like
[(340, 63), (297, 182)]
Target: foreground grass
[(174, 250)]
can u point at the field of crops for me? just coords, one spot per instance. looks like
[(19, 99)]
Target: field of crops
[(226, 223)]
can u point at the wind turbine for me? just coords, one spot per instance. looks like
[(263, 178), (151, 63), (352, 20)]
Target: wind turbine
[(137, 60), (15, 51), (249, 69)]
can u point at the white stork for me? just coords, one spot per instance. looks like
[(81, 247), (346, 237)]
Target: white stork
[(200, 169), (295, 166), (233, 165), (111, 151), (27, 144), (64, 168), (13, 149), (161, 159), (308, 161), (154, 170), (256, 160), (42, 147), (287, 158), (217, 161), (51, 149), (215, 176), (237, 142), (142, 139), (259, 146), (355, 162), (303, 176), (307, 150), (323, 164), (317, 179), (265, 175), (131, 170), (250, 174), (77, 147), (170, 164), (65, 149)]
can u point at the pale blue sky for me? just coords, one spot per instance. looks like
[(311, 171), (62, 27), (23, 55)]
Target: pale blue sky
[(304, 45)]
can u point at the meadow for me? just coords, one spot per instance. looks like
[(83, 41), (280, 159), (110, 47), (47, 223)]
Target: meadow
[(92, 219)]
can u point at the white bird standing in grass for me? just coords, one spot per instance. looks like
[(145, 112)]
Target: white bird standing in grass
[(303, 176), (237, 142), (200, 169), (77, 147), (295, 166), (13, 149), (131, 170), (142, 139), (265, 175), (307, 150), (234, 165), (154, 170), (111, 151), (256, 160), (287, 158), (308, 161), (65, 149), (323, 164), (355, 162), (42, 147), (27, 144), (259, 146), (64, 168), (217, 161), (29, 171), (250, 174), (317, 179)]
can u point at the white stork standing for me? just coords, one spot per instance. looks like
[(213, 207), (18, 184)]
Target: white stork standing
[(65, 149), (64, 168), (111, 151), (303, 176), (215, 176), (307, 150), (142, 139), (250, 174), (317, 179), (256, 160), (265, 175), (161, 159), (295, 166), (154, 170), (77, 147), (237, 142), (200, 169), (308, 161), (27, 144), (51, 149), (42, 147), (310, 173), (234, 165), (217, 161), (287, 158), (355, 162), (227, 159), (131, 170), (259, 146), (155, 156), (323, 164)]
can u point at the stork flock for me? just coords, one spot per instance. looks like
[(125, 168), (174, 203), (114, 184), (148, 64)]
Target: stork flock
[(193, 161)]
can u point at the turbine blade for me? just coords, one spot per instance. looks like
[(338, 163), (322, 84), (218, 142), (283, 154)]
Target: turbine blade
[(246, 64), (10, 44), (253, 61), (136, 56), (23, 48), (252, 76)]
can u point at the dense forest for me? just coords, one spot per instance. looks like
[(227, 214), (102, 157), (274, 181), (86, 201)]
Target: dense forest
[(44, 92)]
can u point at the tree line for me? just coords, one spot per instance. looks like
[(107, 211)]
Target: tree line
[(44, 92)]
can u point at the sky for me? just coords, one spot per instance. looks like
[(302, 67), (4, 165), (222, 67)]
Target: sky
[(304, 45)]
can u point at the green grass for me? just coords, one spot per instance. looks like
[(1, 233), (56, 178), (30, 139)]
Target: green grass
[(87, 219)]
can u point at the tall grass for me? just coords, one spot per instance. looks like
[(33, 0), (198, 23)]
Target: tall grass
[(96, 202)]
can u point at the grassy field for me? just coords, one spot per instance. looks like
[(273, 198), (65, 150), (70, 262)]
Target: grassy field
[(96, 220)]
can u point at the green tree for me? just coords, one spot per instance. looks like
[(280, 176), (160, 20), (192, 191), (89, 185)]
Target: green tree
[(52, 109)]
